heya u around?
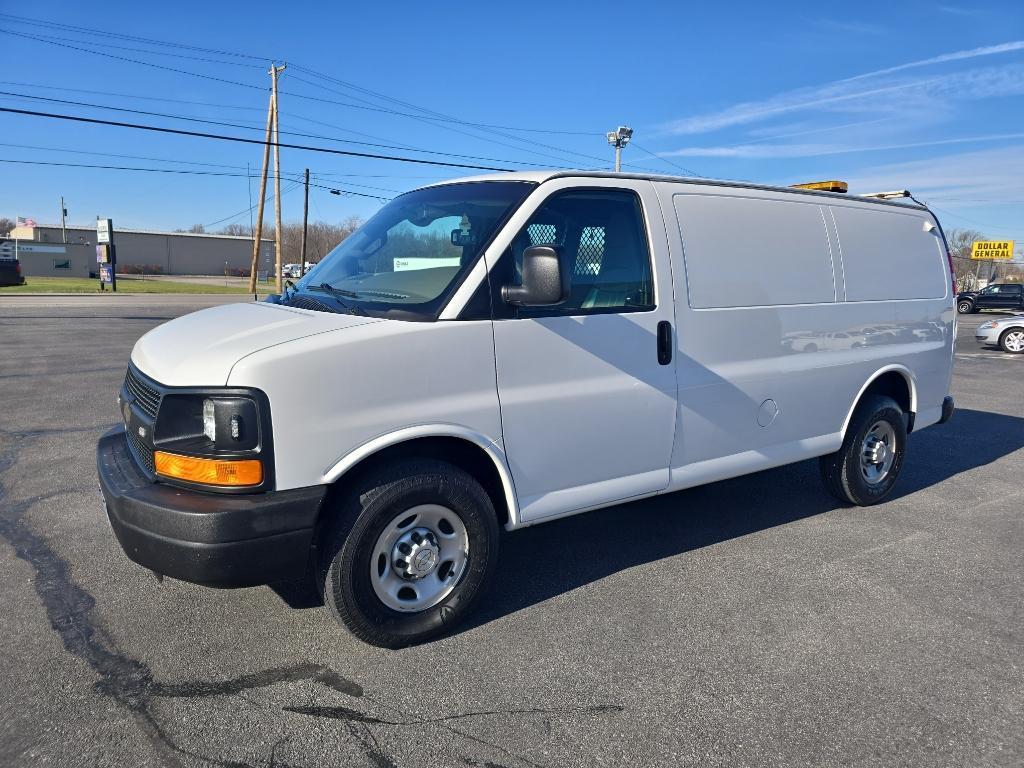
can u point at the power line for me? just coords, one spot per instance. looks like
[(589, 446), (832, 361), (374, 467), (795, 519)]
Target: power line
[(117, 155), (224, 124), (242, 140), (190, 162), (132, 96), (258, 58), (436, 118), (134, 61), (294, 185), (122, 36), (964, 218), (182, 171), (51, 38), (432, 117), (193, 103), (687, 171)]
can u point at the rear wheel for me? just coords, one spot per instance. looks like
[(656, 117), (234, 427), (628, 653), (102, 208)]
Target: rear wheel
[(1012, 341), (413, 548), (965, 307), (865, 468)]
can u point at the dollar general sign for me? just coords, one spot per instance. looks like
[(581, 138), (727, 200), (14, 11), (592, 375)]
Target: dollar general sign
[(992, 249)]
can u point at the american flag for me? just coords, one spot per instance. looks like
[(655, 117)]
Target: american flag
[(23, 222)]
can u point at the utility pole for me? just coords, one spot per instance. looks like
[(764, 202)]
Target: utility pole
[(618, 139), (305, 223), (277, 176), (63, 220), (257, 238)]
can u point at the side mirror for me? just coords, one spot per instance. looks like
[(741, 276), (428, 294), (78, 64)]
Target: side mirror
[(544, 282)]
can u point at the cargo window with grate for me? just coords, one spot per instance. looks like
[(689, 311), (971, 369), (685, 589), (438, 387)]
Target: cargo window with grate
[(601, 238)]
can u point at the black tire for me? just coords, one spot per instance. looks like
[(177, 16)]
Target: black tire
[(965, 307), (361, 517), (841, 471), (1003, 343)]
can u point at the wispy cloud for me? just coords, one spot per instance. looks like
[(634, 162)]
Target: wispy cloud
[(762, 151), (973, 53), (961, 180), (836, 94), (752, 111)]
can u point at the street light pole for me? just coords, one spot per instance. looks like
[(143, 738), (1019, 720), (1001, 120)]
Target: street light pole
[(618, 139)]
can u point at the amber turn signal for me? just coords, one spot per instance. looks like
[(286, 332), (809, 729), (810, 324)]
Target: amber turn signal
[(209, 471)]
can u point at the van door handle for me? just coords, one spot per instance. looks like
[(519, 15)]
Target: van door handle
[(664, 342)]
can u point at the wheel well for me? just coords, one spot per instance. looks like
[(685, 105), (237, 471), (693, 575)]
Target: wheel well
[(892, 384), (462, 453)]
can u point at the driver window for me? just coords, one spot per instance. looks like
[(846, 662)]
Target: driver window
[(600, 237)]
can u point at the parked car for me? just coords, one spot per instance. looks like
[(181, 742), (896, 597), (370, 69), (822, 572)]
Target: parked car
[(998, 296), (10, 272), (835, 341), (291, 270), (507, 350), (1005, 332)]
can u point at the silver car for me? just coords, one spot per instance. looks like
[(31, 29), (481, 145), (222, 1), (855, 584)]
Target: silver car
[(1007, 333)]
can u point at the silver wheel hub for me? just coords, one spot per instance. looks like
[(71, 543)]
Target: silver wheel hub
[(419, 558), (416, 554), (878, 452), (1015, 341)]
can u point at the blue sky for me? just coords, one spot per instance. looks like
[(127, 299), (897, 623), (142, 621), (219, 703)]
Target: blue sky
[(885, 95)]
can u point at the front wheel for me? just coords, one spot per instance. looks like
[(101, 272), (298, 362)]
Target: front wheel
[(1012, 341), (865, 468), (413, 548), (965, 307)]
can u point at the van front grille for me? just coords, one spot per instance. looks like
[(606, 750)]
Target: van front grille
[(142, 452), (147, 398)]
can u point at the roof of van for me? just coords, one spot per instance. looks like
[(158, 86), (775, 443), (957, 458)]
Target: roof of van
[(539, 177)]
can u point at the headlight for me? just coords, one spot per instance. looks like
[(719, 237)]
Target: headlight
[(989, 324), (209, 420), (212, 439)]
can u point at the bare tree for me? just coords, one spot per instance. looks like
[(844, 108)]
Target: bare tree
[(967, 272), (238, 230), (6, 225)]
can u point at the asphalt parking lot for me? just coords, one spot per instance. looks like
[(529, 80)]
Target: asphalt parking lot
[(751, 622)]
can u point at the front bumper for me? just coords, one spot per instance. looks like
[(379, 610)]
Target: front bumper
[(987, 336), (213, 539)]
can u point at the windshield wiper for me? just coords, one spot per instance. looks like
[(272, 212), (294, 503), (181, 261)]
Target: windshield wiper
[(352, 309)]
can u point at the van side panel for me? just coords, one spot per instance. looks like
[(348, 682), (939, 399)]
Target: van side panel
[(889, 254), (772, 252), (897, 275), (768, 375)]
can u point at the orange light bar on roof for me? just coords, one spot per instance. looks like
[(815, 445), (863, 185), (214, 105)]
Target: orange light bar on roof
[(222, 472), (824, 186)]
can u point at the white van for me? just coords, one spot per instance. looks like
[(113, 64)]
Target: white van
[(501, 351)]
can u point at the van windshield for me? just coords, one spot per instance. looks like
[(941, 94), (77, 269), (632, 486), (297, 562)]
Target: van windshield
[(408, 259)]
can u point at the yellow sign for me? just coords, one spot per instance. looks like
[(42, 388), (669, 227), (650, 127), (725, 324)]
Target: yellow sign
[(992, 249)]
